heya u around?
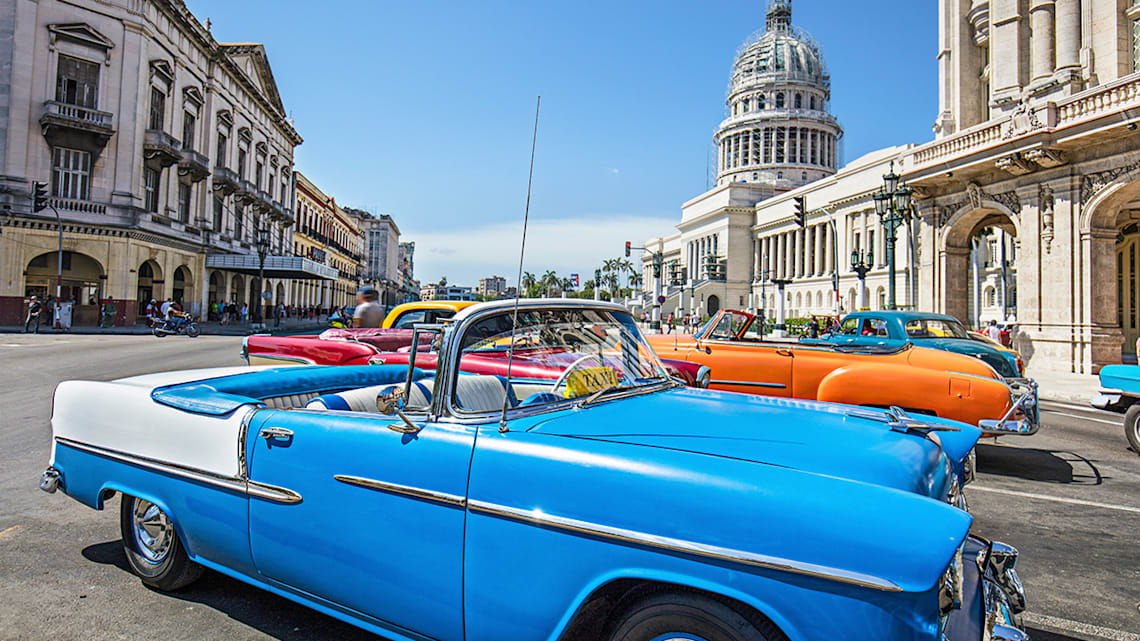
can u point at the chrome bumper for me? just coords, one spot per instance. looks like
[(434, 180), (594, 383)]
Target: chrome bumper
[(1024, 393), (1002, 592), (51, 480)]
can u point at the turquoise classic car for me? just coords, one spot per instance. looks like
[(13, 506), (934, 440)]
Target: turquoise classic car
[(1120, 392), (608, 503)]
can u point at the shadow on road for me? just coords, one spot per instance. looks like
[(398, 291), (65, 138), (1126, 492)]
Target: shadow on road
[(268, 613), (1048, 466), (1042, 635)]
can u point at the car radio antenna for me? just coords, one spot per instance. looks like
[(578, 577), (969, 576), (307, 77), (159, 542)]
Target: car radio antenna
[(518, 285)]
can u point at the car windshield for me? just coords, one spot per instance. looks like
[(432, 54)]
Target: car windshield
[(559, 354), (728, 326), (935, 328)]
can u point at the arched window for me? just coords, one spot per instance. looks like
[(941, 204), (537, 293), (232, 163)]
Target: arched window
[(881, 298), (799, 101), (760, 102), (803, 175), (780, 100), (779, 175), (747, 104), (990, 297)]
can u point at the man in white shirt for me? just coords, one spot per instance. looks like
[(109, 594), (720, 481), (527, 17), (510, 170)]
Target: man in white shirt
[(166, 308), (993, 331), (368, 312)]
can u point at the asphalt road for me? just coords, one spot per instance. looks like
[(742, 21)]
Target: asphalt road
[(1068, 498)]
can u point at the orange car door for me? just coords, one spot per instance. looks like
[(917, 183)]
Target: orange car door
[(751, 368)]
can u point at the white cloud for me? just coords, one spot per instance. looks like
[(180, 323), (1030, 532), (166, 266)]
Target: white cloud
[(566, 246), (615, 171)]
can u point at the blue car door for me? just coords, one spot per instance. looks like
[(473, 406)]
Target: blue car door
[(379, 526)]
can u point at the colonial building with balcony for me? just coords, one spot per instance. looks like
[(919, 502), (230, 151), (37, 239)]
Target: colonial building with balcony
[(381, 262), (329, 235), (164, 151)]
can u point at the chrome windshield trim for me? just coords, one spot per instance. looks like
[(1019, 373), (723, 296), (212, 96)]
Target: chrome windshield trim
[(678, 546), (243, 466), (229, 483), (749, 384), (431, 496)]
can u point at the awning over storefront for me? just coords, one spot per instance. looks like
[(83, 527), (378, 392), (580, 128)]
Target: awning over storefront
[(294, 267)]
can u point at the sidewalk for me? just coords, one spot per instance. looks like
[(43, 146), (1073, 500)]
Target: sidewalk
[(288, 326), (1065, 387)]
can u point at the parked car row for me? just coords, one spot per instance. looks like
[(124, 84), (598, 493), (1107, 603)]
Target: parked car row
[(534, 470)]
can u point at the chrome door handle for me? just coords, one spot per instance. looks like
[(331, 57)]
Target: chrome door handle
[(784, 352), (271, 433)]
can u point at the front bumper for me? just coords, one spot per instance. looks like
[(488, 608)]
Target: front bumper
[(1023, 417), (1113, 400), (992, 595)]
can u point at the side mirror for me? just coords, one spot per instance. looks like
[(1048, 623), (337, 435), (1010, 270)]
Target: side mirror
[(393, 403)]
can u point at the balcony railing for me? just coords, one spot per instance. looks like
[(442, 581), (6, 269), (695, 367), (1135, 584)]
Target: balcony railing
[(194, 165), (83, 206), (78, 115), (226, 180), (162, 148), (1046, 117)]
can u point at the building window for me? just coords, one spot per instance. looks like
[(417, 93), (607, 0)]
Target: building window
[(1136, 45), (780, 100), (803, 176), (71, 173), (219, 213), (990, 297), (184, 202), (257, 176), (239, 220), (799, 101), (188, 124), (242, 154), (813, 103), (223, 143), (77, 82), (157, 108), (150, 189), (760, 102)]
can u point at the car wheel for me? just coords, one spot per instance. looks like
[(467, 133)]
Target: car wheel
[(684, 616), (1132, 427), (153, 549)]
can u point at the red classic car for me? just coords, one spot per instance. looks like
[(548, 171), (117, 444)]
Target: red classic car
[(392, 346)]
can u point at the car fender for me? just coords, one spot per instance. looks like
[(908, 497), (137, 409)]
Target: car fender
[(679, 580)]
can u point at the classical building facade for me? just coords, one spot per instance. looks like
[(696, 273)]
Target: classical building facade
[(327, 235), (381, 262), (1037, 137), (492, 287), (164, 151), (1027, 202), (409, 285)]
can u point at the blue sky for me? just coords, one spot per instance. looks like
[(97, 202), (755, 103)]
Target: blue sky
[(424, 109)]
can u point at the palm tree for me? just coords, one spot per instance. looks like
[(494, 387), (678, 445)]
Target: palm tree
[(527, 283), (442, 281), (549, 279)]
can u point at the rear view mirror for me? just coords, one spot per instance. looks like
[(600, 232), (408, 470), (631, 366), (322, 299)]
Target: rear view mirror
[(392, 403)]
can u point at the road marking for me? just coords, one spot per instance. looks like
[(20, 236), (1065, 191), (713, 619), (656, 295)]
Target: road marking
[(9, 530), (1056, 499), (1085, 418), (1066, 625)]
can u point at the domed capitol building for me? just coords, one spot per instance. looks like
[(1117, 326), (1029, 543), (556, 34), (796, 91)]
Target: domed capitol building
[(1026, 200)]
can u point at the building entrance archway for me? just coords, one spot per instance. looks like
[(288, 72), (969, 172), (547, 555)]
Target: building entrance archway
[(81, 282), (149, 284), (979, 250)]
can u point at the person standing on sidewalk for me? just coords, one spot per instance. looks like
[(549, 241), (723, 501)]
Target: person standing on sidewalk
[(368, 312), (35, 308)]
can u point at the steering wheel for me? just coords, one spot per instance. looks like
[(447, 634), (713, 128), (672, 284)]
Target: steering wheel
[(573, 366)]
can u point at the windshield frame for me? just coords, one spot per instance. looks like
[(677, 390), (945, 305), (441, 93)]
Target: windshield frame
[(928, 319), (448, 369)]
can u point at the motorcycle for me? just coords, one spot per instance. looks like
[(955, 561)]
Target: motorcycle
[(187, 326)]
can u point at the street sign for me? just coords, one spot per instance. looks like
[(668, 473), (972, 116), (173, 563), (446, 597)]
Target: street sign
[(660, 300)]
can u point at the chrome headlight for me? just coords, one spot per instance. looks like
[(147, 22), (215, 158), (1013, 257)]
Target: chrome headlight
[(969, 467), (957, 496), (950, 586)]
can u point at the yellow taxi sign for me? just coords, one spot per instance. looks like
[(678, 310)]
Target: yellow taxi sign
[(588, 380)]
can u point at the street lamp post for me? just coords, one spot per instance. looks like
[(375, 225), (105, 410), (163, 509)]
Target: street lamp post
[(262, 249), (892, 204), (861, 264), (761, 309)]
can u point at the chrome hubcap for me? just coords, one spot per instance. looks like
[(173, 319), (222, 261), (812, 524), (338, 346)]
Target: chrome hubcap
[(153, 531)]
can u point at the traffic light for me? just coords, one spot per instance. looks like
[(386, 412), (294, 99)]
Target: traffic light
[(627, 248), (40, 196), (801, 211)]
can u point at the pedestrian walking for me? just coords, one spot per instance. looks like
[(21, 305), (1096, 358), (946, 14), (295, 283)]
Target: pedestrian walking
[(280, 313), (35, 308), (813, 327), (993, 332), (244, 313), (669, 324), (368, 312)]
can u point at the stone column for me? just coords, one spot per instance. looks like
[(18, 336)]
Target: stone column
[(1043, 40), (1068, 15)]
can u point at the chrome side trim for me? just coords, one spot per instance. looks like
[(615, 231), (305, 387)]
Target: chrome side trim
[(243, 467), (678, 546), (749, 384), (272, 492), (229, 483), (296, 360), (431, 496)]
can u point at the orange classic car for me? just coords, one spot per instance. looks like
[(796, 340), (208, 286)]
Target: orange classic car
[(916, 379)]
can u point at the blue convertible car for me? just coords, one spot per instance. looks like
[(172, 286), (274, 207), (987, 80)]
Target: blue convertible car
[(604, 502)]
